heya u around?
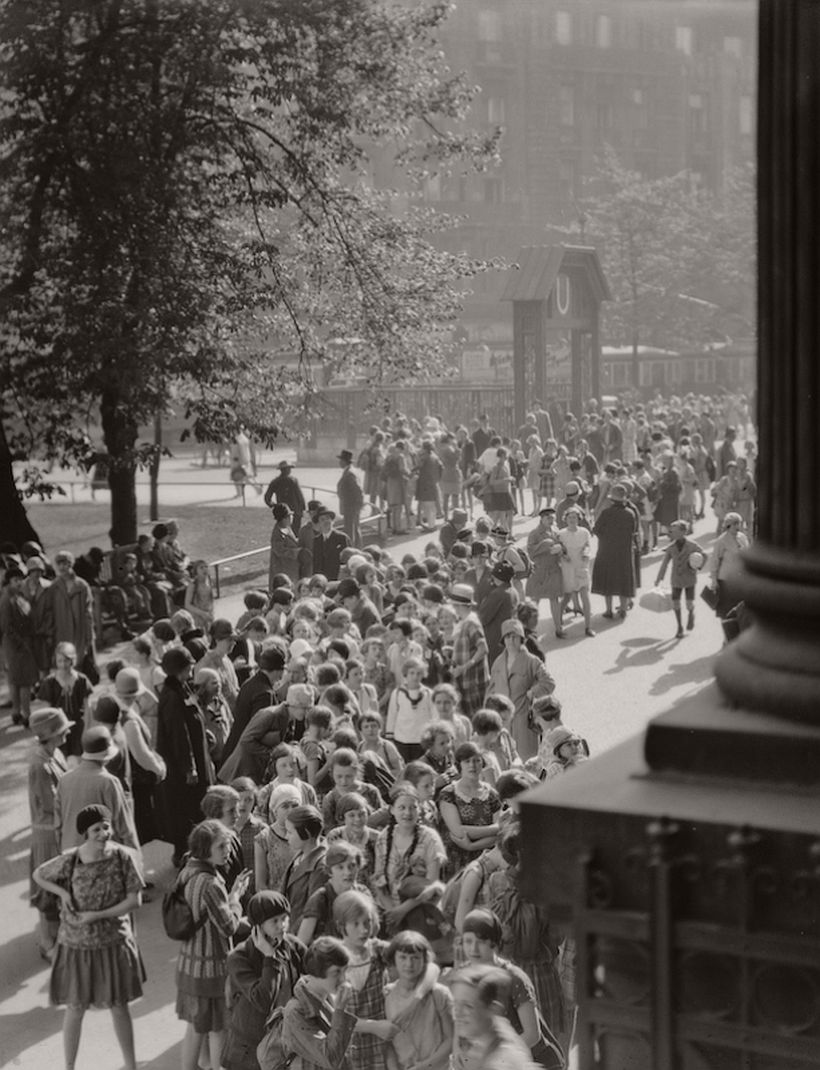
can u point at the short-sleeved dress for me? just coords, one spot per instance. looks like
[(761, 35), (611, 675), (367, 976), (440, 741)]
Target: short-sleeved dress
[(393, 868), (278, 855), (575, 562), (480, 810), (97, 962)]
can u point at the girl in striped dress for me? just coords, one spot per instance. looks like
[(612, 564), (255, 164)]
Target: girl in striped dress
[(201, 966)]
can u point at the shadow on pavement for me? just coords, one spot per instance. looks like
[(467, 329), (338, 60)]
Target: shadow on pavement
[(638, 653), (684, 672)]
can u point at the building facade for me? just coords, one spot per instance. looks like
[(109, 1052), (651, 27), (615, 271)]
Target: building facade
[(670, 86)]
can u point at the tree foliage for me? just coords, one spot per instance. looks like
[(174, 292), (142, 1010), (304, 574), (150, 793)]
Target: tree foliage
[(680, 261), (185, 188)]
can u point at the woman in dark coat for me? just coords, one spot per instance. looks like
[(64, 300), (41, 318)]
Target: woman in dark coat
[(498, 606), (613, 572), (669, 486), (182, 744), (284, 546), (17, 629)]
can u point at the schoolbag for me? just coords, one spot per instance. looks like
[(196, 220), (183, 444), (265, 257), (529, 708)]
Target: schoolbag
[(526, 561), (178, 915), (270, 1051)]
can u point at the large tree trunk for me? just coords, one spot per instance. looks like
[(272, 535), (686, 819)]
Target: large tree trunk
[(15, 525), (120, 433)]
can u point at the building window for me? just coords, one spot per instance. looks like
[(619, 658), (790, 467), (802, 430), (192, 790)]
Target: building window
[(493, 191), (698, 114), (489, 26), (746, 115), (563, 27), (604, 115), (733, 46), (496, 110), (620, 374), (683, 39), (566, 105), (603, 31), (639, 109), (567, 178)]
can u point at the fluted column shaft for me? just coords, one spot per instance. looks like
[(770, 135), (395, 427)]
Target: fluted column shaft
[(775, 666)]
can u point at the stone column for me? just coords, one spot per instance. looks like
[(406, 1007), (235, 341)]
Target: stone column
[(775, 665)]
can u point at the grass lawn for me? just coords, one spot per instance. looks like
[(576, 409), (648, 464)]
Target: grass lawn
[(209, 532)]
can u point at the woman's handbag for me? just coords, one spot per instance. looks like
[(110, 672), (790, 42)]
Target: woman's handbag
[(710, 597), (657, 600)]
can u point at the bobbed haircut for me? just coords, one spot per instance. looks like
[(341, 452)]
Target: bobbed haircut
[(352, 800), (352, 906), (202, 838), (491, 984), (324, 952), (417, 770), (485, 721), (433, 729), (513, 782), (410, 943), (327, 674), (499, 703), (485, 925), (319, 715), (308, 823), (216, 798), (341, 851), (344, 756)]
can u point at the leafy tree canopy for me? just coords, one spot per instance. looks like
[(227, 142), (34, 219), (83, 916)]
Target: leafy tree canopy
[(186, 185), (680, 260)]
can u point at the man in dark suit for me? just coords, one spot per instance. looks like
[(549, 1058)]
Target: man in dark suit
[(286, 490), (327, 546), (256, 693), (351, 498), (306, 536)]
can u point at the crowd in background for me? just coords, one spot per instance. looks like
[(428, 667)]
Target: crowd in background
[(338, 770)]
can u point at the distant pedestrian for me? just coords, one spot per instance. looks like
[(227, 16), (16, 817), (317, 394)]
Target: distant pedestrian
[(285, 489), (686, 559), (71, 609), (613, 573), (17, 630), (351, 498)]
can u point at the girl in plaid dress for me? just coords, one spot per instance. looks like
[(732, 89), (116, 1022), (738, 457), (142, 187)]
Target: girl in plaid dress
[(546, 471), (357, 918), (471, 671)]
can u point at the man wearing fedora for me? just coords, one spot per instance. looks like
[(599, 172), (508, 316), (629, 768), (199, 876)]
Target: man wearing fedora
[(90, 783), (285, 490), (351, 498), (327, 546)]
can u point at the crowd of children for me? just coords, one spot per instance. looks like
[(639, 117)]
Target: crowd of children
[(342, 805)]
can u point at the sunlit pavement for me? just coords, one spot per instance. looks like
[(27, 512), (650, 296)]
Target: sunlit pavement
[(610, 685)]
